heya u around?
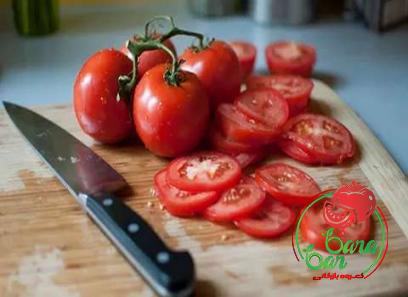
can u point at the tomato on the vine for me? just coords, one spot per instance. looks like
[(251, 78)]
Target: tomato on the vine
[(171, 120), (217, 66), (100, 111), (149, 59)]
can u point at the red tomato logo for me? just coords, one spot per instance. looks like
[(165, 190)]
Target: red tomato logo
[(350, 204)]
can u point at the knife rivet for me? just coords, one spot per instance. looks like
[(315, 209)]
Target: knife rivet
[(107, 202), (163, 257), (133, 228)]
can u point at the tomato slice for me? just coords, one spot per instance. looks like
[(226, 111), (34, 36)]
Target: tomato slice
[(227, 145), (324, 138), (206, 171), (246, 159), (271, 220), (288, 57), (246, 53), (237, 202), (295, 89), (313, 225), (266, 106), (242, 128), (287, 184), (295, 152), (179, 202)]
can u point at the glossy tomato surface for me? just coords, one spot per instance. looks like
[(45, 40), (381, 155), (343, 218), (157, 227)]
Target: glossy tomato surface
[(295, 89), (217, 67), (271, 220), (237, 202), (170, 120), (97, 108), (246, 53), (324, 138), (313, 226), (287, 184), (288, 57), (206, 171), (149, 59), (266, 106), (179, 202)]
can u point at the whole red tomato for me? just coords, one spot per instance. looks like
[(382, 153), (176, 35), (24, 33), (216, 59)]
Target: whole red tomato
[(98, 110), (149, 59), (217, 67), (170, 119)]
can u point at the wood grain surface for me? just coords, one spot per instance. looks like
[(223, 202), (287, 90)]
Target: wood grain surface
[(48, 247)]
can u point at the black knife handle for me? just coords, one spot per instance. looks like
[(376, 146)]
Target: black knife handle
[(169, 273)]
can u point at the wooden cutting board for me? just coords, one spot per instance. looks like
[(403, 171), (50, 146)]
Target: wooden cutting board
[(48, 247)]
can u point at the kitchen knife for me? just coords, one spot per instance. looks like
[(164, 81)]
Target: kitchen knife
[(93, 182)]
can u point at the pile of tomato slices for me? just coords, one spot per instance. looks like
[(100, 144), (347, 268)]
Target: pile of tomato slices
[(212, 185)]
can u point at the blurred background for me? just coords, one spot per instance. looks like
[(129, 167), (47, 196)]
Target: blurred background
[(362, 46)]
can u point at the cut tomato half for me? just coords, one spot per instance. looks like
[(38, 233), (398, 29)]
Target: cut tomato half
[(206, 171), (271, 220), (179, 202), (237, 202), (266, 106), (295, 89), (287, 184), (288, 57), (242, 128), (295, 152), (246, 53), (324, 138), (314, 225)]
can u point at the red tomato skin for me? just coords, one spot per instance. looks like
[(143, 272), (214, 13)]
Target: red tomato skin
[(241, 128), (225, 145), (96, 87), (295, 152), (287, 198), (217, 67), (149, 59), (170, 120), (246, 53), (277, 65), (298, 102), (176, 206), (247, 159)]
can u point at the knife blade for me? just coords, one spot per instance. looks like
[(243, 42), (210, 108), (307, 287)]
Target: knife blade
[(93, 182)]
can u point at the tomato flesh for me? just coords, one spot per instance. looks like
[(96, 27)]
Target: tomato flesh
[(295, 89), (179, 202), (288, 57), (314, 224), (287, 184), (207, 171), (246, 53), (271, 220), (229, 146), (236, 202), (324, 138), (295, 152), (242, 128), (247, 159), (266, 106)]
